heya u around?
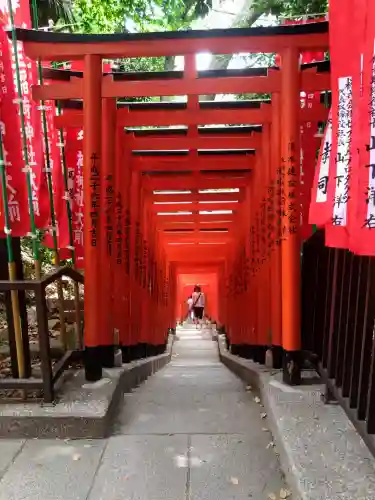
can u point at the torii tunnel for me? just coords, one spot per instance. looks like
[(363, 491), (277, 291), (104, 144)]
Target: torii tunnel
[(195, 192)]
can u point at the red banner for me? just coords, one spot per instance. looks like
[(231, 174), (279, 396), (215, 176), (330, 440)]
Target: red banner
[(362, 219), (73, 139), (32, 117), (308, 144), (344, 190), (12, 147), (16, 172), (74, 162), (345, 66), (319, 208), (59, 199)]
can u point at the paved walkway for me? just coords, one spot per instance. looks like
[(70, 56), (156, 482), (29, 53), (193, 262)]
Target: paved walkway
[(192, 431)]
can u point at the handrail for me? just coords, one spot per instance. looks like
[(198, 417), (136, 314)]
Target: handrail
[(59, 273), (49, 278)]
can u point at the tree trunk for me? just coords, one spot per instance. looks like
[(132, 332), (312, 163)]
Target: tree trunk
[(169, 64), (244, 19)]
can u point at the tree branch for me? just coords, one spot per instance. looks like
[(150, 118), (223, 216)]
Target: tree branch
[(245, 18)]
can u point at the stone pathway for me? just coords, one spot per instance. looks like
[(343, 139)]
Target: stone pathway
[(191, 432)]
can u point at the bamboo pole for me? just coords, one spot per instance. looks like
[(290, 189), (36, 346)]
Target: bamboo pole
[(60, 292)]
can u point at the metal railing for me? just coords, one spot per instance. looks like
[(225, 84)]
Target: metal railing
[(338, 312), (50, 371)]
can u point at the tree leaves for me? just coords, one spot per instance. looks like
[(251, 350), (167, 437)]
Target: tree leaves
[(291, 7), (109, 16)]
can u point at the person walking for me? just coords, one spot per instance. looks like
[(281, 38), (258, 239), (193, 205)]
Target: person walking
[(190, 315), (198, 305)]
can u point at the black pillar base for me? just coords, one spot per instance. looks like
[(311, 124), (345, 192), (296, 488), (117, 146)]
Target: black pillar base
[(161, 348), (152, 350), (256, 355), (241, 350), (292, 362), (137, 352), (250, 352), (247, 351), (143, 350), (93, 364), (133, 352), (126, 353), (108, 356), (235, 349), (277, 357), (260, 354)]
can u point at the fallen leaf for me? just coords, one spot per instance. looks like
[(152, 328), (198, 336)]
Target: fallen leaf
[(264, 429), (76, 457), (263, 415), (256, 399), (271, 444), (272, 496), (284, 493), (234, 480), (248, 388)]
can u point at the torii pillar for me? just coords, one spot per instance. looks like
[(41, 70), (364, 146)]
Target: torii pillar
[(290, 216), (92, 122)]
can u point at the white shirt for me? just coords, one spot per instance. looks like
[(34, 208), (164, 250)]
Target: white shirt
[(198, 299), (190, 303)]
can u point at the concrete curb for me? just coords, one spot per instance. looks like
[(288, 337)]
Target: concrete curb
[(321, 454), (83, 411)]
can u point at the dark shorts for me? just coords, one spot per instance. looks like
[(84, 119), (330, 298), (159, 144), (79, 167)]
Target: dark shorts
[(198, 312)]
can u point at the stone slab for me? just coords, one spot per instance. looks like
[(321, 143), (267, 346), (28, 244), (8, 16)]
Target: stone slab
[(236, 467), (52, 470), (189, 399), (82, 410), (321, 453), (143, 468), (9, 449)]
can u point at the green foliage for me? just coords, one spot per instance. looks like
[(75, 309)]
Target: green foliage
[(45, 255), (177, 15), (140, 64), (253, 97), (110, 16), (99, 16), (55, 10), (285, 8)]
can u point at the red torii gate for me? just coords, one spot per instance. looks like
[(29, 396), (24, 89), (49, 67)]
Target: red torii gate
[(93, 87)]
